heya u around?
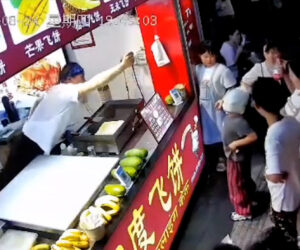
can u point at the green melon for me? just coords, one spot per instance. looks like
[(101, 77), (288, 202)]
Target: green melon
[(138, 152), (132, 161), (115, 190), (132, 172)]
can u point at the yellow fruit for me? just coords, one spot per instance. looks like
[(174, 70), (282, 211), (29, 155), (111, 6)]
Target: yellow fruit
[(74, 232), (31, 16), (84, 237), (80, 244), (70, 237), (64, 243), (83, 4), (169, 100), (41, 247), (55, 247)]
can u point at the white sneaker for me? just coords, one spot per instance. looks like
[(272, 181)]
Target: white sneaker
[(237, 217)]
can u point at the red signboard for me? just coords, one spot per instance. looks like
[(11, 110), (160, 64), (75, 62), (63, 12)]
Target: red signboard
[(153, 219), (192, 36), (21, 45), (168, 30)]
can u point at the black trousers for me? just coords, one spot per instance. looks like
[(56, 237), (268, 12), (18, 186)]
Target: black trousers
[(21, 154), (286, 222)]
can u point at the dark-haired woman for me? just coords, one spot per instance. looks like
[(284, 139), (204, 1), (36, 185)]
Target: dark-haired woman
[(232, 49), (214, 79), (55, 114), (269, 68)]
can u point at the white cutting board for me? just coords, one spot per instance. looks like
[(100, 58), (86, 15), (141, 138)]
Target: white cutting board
[(52, 190)]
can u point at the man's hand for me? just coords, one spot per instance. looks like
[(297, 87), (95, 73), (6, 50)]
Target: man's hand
[(233, 147), (277, 178), (128, 60), (219, 105)]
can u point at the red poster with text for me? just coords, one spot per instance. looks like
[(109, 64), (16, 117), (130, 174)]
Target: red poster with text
[(191, 32)]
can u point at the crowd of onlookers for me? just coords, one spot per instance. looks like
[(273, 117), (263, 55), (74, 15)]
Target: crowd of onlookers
[(242, 107)]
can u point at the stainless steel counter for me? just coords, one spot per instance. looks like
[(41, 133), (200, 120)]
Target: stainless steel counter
[(51, 191)]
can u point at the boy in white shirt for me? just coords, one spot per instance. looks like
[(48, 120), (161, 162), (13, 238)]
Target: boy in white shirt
[(282, 157)]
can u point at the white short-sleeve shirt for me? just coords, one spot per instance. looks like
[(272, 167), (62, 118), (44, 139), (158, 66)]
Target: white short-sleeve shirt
[(213, 83), (53, 116), (292, 107), (282, 155), (258, 70)]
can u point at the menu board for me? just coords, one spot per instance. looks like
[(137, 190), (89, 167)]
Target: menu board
[(157, 117), (35, 28)]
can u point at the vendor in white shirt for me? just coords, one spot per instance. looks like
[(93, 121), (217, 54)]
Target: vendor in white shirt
[(54, 115)]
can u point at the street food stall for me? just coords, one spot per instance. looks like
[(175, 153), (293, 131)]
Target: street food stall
[(128, 168)]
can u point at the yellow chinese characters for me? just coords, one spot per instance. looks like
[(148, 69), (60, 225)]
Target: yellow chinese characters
[(168, 230), (137, 231), (183, 193), (174, 169), (159, 187)]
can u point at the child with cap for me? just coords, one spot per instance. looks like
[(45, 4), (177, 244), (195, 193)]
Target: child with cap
[(238, 138)]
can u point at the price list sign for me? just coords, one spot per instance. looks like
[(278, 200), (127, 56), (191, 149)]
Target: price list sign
[(157, 117)]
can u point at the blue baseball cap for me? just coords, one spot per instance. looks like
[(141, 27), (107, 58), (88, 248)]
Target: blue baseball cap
[(71, 70)]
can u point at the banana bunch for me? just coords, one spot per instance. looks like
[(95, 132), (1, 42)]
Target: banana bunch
[(31, 15), (41, 247), (109, 203), (72, 239)]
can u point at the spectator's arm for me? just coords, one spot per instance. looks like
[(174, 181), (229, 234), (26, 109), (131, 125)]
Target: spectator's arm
[(248, 140)]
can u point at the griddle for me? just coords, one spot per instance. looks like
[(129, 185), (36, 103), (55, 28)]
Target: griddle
[(126, 110)]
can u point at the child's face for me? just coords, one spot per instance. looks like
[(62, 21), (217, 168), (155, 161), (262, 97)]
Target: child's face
[(208, 59)]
